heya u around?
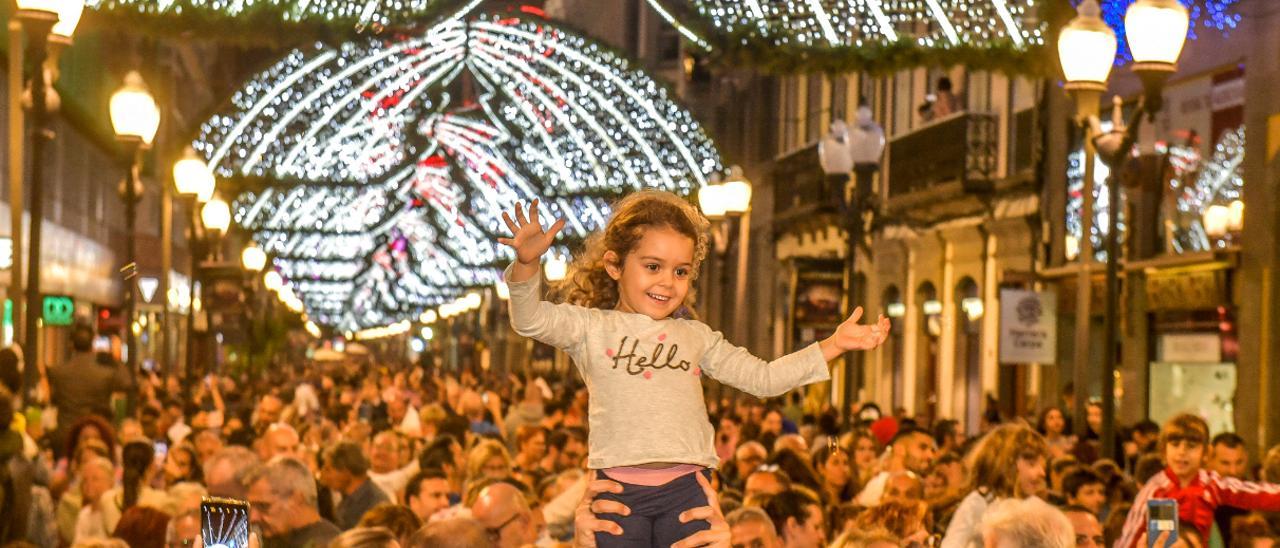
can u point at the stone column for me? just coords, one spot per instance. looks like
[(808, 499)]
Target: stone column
[(1257, 280)]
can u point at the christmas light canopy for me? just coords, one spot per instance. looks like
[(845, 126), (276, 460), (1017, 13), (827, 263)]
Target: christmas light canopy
[(382, 167), (822, 27), (251, 19)]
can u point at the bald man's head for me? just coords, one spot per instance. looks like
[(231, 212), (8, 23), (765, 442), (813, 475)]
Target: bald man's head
[(280, 439), (904, 485), (503, 510), (451, 533)]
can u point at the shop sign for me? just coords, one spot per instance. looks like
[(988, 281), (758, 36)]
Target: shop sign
[(1190, 348), (58, 310), (1028, 326)]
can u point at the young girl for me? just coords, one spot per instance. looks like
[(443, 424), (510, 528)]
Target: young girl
[(1008, 463), (623, 325)]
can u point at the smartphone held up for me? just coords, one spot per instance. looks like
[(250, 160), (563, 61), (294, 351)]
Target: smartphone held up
[(1162, 516), (224, 523)]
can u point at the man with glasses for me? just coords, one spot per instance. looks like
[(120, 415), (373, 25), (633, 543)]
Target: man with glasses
[(748, 456), (282, 504), (505, 514), (1085, 524)]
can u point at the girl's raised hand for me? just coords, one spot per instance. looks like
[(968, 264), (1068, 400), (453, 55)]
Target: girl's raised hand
[(853, 336), (527, 236)]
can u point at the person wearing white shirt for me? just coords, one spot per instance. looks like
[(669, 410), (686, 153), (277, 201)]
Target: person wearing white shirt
[(384, 465), (403, 415), (911, 450), (97, 476)]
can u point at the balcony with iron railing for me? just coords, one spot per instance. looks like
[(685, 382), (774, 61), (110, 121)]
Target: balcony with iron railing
[(958, 153), (963, 147)]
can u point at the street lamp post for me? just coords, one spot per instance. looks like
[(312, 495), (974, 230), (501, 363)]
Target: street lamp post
[(736, 191), (254, 259), (858, 150), (216, 217), (1086, 47), (1157, 30), (44, 21), (136, 118), (195, 184), (731, 200)]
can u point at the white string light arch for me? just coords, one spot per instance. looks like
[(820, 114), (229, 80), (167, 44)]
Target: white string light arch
[(383, 166)]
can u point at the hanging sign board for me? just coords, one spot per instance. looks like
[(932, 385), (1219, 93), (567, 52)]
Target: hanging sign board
[(1028, 326)]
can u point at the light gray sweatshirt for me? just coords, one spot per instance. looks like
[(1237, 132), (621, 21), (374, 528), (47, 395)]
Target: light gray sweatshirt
[(644, 376)]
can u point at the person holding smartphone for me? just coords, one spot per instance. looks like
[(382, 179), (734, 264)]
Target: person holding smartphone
[(1198, 492)]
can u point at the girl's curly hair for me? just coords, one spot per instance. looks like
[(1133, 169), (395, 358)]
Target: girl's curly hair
[(993, 462), (588, 284)]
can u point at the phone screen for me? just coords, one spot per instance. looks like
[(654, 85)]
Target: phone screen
[(162, 450), (224, 523), (1162, 515)]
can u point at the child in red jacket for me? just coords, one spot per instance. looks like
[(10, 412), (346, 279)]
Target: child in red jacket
[(1199, 492)]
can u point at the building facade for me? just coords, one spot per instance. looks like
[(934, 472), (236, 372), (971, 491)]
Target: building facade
[(989, 198)]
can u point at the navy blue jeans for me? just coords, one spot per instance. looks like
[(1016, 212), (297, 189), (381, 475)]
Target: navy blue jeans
[(655, 513)]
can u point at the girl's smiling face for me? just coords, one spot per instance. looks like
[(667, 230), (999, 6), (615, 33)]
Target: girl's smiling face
[(653, 279)]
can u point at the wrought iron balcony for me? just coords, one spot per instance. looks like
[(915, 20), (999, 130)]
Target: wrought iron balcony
[(963, 147), (802, 193)]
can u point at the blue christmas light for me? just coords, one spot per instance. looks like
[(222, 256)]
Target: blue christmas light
[(1220, 15)]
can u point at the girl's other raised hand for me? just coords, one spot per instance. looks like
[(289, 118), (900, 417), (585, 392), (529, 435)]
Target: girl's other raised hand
[(854, 336), (527, 236)]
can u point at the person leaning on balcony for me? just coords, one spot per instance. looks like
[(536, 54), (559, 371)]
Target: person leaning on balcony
[(941, 104)]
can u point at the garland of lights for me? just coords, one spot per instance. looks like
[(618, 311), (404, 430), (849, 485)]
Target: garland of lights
[(868, 35), (1101, 204), (1217, 181), (379, 193), (1196, 184), (272, 21)]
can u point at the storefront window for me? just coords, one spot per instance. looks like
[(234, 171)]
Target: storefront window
[(1206, 389)]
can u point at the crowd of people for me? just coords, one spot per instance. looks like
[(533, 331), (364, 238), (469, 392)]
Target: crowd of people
[(413, 455), (386, 454)]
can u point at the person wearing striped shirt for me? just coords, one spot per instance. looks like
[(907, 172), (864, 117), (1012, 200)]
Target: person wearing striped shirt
[(1199, 492)]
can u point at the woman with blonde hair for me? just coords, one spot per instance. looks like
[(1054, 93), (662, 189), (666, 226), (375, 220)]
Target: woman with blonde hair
[(1007, 463), (487, 460)]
